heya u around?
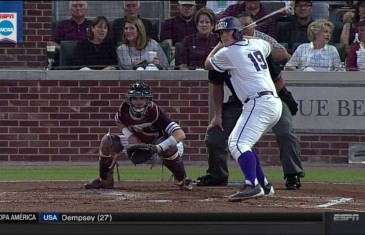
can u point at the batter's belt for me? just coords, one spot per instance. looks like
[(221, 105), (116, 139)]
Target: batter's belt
[(259, 94)]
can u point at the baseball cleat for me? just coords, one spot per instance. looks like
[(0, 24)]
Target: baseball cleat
[(269, 190), (248, 192), (186, 184)]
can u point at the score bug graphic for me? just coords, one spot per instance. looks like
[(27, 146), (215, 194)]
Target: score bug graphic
[(7, 27)]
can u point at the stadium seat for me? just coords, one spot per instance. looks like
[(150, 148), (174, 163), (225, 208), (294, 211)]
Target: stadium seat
[(337, 32), (156, 30), (166, 48), (295, 45), (341, 48), (178, 46), (67, 49)]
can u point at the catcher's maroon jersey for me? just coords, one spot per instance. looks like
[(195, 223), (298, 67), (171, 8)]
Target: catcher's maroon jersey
[(150, 127)]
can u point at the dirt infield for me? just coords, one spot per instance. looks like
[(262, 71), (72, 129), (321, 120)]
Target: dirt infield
[(165, 197)]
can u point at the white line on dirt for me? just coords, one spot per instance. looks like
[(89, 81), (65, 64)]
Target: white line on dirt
[(335, 202)]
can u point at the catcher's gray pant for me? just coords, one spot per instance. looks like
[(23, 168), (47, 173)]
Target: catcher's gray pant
[(217, 147)]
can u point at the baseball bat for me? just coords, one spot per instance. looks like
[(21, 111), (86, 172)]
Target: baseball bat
[(282, 11)]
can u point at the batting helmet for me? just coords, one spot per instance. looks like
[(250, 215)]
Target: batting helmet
[(139, 89), (231, 22)]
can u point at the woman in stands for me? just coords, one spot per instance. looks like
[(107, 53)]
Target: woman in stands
[(97, 51), (355, 60), (133, 52), (196, 47), (317, 55)]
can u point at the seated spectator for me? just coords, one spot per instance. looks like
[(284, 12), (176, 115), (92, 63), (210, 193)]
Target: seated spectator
[(131, 9), (355, 60), (257, 10), (97, 51), (296, 30), (74, 28), (175, 29), (278, 52), (349, 34), (196, 47), (133, 52), (317, 55)]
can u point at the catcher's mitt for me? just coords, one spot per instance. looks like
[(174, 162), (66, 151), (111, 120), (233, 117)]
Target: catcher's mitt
[(140, 153)]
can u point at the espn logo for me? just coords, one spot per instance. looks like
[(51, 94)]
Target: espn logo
[(346, 217)]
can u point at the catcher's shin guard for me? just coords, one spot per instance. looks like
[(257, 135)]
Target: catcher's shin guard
[(176, 166), (106, 170)]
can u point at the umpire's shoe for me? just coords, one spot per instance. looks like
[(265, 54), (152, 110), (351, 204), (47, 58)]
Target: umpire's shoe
[(293, 181), (248, 192), (208, 180)]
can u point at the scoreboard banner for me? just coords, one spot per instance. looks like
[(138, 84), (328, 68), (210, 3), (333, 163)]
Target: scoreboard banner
[(11, 22), (186, 223)]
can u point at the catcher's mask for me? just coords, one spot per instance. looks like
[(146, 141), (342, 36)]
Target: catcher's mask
[(136, 90), (229, 23)]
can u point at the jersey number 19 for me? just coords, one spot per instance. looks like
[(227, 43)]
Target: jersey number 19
[(258, 60)]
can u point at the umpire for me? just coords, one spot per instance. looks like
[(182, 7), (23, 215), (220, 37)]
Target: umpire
[(219, 130)]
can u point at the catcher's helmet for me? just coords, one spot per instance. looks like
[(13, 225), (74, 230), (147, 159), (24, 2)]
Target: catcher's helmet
[(231, 22), (139, 89)]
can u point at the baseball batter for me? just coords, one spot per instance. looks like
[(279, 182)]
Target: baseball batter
[(245, 59), (142, 121)]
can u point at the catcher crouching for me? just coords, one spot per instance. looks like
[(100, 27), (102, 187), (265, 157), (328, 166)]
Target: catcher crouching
[(147, 132)]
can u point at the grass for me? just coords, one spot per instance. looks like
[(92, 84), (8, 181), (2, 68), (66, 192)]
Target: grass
[(331, 175)]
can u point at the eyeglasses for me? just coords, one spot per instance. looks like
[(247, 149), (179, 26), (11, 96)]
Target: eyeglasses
[(303, 6)]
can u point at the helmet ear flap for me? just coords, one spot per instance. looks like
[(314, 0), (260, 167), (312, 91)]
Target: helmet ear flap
[(237, 35)]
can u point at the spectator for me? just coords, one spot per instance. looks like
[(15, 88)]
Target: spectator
[(355, 60), (196, 47), (75, 28), (279, 53), (175, 29), (131, 9), (97, 51), (133, 52), (316, 55), (349, 34), (219, 6), (296, 30), (257, 10)]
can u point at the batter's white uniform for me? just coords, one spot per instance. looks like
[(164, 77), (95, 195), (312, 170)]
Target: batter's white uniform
[(250, 77)]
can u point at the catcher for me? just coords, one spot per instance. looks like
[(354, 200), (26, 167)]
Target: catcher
[(147, 132)]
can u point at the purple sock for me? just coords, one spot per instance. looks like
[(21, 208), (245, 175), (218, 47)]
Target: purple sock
[(247, 163), (259, 172)]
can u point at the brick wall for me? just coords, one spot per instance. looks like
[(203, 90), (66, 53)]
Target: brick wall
[(64, 120)]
